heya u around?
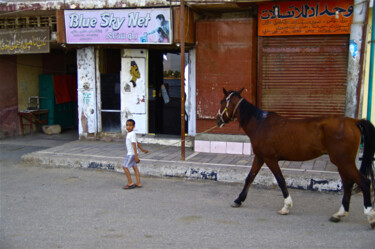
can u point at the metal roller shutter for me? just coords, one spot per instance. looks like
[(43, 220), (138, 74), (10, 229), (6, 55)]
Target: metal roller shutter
[(303, 76)]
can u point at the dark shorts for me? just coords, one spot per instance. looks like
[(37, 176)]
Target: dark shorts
[(129, 162)]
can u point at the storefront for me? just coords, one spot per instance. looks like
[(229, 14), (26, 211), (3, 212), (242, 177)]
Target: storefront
[(28, 53), (300, 65), (303, 57), (290, 56), (18, 45), (128, 66)]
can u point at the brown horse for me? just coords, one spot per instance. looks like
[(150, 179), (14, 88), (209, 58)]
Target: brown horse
[(276, 138)]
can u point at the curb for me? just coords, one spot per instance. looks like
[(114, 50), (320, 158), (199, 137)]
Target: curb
[(227, 173)]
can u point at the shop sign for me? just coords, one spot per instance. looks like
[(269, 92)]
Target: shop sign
[(305, 17), (118, 26), (24, 41)]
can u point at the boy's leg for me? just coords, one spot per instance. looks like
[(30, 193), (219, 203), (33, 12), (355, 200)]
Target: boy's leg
[(137, 176), (128, 176)]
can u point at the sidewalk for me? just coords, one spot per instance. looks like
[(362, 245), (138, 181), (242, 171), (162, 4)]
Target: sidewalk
[(165, 161)]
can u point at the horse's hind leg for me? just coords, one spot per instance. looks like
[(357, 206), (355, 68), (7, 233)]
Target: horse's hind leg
[(350, 176), (275, 169), (344, 209), (257, 164), (365, 184)]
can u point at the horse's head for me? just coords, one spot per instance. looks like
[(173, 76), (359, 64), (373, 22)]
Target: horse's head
[(228, 108)]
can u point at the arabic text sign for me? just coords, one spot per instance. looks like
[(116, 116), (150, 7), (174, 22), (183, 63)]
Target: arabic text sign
[(131, 26), (305, 17), (24, 41)]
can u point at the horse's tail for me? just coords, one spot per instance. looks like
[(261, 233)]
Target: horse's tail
[(368, 133)]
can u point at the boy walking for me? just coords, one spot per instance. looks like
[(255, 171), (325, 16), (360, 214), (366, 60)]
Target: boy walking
[(132, 158)]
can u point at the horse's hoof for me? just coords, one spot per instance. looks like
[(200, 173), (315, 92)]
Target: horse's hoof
[(235, 205), (334, 219), (282, 212), (372, 225)]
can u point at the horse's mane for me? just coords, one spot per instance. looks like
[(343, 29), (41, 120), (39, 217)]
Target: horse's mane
[(247, 111)]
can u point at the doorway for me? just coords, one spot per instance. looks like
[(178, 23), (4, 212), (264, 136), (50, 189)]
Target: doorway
[(109, 67), (165, 92)]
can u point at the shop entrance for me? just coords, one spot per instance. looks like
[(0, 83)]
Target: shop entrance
[(165, 92), (109, 68)]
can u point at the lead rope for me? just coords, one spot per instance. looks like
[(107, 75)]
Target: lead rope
[(208, 130), (173, 144)]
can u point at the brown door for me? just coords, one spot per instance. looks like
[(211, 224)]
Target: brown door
[(303, 76), (226, 57)]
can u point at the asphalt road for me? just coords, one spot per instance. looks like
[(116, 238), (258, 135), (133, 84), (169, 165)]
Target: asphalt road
[(72, 208), (46, 208)]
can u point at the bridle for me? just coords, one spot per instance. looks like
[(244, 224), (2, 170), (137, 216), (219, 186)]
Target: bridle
[(225, 111)]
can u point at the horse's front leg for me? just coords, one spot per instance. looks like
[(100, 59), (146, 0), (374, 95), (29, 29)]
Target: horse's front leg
[(275, 169), (257, 164)]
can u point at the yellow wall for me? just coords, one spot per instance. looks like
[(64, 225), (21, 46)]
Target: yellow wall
[(367, 71), (29, 67)]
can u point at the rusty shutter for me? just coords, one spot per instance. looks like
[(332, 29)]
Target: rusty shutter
[(226, 57), (303, 76)]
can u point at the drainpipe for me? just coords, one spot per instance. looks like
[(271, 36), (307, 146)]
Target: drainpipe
[(182, 54), (355, 58), (371, 73)]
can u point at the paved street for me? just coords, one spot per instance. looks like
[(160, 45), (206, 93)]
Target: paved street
[(45, 208)]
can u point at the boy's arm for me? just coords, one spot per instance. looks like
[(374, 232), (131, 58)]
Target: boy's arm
[(135, 152), (143, 150)]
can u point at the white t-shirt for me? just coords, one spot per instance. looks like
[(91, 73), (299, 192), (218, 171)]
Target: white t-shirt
[(130, 139)]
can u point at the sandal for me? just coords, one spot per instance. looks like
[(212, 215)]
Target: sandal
[(138, 186), (129, 186)]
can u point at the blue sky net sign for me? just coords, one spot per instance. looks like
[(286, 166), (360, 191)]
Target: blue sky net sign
[(118, 26)]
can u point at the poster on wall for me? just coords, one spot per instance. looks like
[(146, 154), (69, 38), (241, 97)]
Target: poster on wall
[(305, 17), (133, 92), (118, 26)]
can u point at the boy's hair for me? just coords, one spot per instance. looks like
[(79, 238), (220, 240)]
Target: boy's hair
[(160, 17), (131, 120)]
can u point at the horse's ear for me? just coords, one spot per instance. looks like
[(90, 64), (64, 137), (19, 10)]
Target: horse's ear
[(225, 92), (240, 91)]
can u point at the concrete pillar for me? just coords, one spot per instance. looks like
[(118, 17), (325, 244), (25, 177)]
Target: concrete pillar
[(87, 109), (354, 65)]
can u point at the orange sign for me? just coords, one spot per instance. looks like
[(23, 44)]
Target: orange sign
[(305, 17)]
